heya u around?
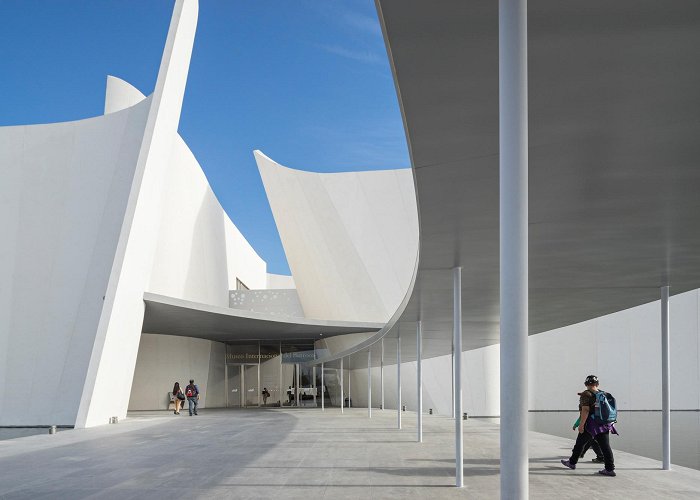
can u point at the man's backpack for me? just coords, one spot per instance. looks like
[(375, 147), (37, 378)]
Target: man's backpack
[(190, 391), (605, 409)]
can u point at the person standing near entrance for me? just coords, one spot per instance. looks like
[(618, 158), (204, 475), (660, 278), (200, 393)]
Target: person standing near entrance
[(192, 393), (178, 398), (591, 428)]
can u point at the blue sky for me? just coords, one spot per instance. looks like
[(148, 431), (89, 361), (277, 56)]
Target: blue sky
[(306, 82)]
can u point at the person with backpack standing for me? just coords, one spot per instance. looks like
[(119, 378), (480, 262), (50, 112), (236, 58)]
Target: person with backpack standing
[(598, 412), (192, 393)]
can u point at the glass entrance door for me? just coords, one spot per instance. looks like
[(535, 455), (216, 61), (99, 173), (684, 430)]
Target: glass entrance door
[(251, 383), (243, 385), (234, 381)]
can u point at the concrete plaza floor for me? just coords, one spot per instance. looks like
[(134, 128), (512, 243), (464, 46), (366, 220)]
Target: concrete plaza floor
[(304, 453)]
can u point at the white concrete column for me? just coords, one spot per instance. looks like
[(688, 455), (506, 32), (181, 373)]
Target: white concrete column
[(513, 148), (398, 381), (381, 376), (349, 383), (323, 389), (453, 377), (457, 342), (342, 390), (419, 379), (665, 381), (369, 383)]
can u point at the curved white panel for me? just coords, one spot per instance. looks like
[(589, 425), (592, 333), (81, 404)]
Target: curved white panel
[(63, 197), (120, 95), (351, 239), (199, 252)]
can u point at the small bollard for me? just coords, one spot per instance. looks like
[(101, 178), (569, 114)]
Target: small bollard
[(430, 411), (52, 429), (465, 416), (403, 407)]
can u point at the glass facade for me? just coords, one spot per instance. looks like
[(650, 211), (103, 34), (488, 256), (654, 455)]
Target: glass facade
[(272, 373)]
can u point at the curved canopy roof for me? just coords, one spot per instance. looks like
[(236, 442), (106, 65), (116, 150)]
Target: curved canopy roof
[(614, 157), (173, 316)]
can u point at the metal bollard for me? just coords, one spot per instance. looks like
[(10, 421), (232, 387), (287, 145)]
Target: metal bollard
[(52, 429), (465, 416), (430, 411)]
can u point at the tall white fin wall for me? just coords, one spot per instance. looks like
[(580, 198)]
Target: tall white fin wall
[(111, 369), (351, 239)]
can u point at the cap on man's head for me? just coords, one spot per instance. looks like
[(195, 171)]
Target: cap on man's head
[(591, 380)]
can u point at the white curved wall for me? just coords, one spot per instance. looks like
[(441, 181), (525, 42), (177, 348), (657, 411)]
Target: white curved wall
[(93, 214), (199, 252), (63, 197), (120, 95), (351, 239)]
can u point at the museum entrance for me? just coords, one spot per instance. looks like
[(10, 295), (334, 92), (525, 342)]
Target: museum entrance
[(272, 374)]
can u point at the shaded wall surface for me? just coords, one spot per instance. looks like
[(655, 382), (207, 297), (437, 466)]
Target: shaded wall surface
[(165, 359)]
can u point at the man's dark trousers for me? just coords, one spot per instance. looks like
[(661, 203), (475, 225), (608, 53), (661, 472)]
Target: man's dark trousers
[(603, 440)]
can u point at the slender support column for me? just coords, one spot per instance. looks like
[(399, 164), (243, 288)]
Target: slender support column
[(342, 394), (398, 381), (323, 389), (313, 377), (349, 383), (665, 381), (381, 377), (513, 174), (453, 377), (369, 384), (419, 380), (457, 342)]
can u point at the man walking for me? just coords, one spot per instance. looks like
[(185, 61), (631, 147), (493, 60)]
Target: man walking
[(192, 393), (591, 428)]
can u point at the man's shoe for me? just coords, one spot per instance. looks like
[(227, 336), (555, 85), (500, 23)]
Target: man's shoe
[(568, 464), (606, 472), (598, 460)]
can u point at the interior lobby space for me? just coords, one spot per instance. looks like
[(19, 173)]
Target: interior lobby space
[(296, 453)]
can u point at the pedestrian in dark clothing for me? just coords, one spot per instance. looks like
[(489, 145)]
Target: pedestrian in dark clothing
[(192, 393), (592, 444), (590, 429)]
